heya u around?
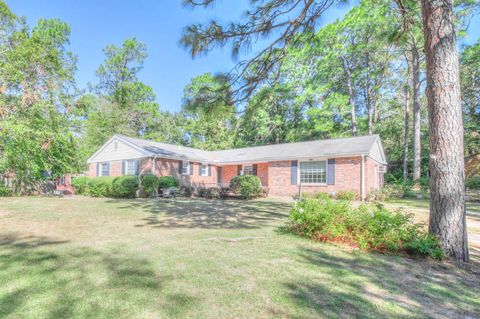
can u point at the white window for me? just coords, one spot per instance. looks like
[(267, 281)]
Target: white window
[(104, 169), (313, 172), (131, 167), (247, 169), (185, 168), (204, 170)]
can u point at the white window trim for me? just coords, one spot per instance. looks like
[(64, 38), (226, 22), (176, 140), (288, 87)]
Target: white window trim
[(243, 168), (185, 168), (201, 169), (134, 168), (101, 169), (313, 160)]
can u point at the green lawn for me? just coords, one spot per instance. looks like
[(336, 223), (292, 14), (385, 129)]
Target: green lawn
[(104, 258)]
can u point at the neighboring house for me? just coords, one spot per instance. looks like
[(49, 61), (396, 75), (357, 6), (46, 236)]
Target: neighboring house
[(64, 183), (350, 164)]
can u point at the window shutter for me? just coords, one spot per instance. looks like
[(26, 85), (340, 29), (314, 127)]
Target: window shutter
[(209, 170), (191, 168), (239, 170), (200, 169), (180, 167), (98, 167), (137, 167), (294, 176), (331, 171), (108, 169), (254, 168), (123, 167)]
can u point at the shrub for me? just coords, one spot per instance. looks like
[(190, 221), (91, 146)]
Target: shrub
[(247, 186), (100, 186), (224, 192), (167, 182), (201, 192), (186, 191), (124, 186), (346, 195), (150, 184), (80, 184), (213, 193), (5, 191), (473, 182), (370, 227)]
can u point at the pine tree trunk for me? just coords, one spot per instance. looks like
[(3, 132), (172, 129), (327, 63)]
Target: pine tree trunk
[(447, 203), (351, 98), (406, 136), (416, 113)]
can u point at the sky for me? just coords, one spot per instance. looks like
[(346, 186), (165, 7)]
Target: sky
[(159, 24)]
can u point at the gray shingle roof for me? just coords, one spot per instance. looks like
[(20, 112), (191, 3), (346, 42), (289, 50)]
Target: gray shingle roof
[(287, 151)]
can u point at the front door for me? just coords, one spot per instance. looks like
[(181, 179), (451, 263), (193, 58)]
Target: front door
[(219, 175)]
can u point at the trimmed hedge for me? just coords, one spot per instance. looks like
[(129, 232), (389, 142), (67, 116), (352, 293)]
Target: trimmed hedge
[(370, 227), (100, 186), (150, 184), (80, 184), (125, 186), (473, 182), (247, 186), (167, 182)]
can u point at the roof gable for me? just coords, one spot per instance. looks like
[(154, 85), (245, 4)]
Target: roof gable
[(118, 149)]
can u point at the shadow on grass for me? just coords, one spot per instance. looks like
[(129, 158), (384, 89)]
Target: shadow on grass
[(378, 286), (45, 278), (208, 214)]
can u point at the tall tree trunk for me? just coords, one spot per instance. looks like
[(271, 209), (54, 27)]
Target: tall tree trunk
[(368, 95), (416, 113), (351, 98), (406, 136), (447, 182)]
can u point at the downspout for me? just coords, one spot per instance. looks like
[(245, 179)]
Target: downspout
[(362, 180), (153, 164)]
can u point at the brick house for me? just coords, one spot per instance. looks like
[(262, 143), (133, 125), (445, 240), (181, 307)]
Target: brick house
[(351, 164)]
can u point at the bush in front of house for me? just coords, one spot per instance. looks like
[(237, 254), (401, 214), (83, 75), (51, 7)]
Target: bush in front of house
[(5, 191), (369, 227), (346, 195), (213, 193), (100, 186), (125, 186), (247, 186), (186, 191), (473, 182), (150, 184), (80, 184), (167, 182)]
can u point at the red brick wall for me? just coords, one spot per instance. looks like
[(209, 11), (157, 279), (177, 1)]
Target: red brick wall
[(262, 172), (347, 177), (168, 167), (115, 168), (92, 169), (229, 172), (372, 174)]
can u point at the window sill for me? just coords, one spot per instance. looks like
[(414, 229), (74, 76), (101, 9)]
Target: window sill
[(313, 184)]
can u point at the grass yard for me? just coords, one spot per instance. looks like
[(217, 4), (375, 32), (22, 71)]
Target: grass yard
[(103, 258)]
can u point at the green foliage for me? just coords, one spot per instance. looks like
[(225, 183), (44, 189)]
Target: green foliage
[(186, 191), (124, 186), (473, 182), (346, 195), (100, 186), (167, 182), (4, 190), (247, 186), (368, 226), (150, 183), (80, 185)]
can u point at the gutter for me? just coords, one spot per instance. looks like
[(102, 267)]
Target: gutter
[(362, 178)]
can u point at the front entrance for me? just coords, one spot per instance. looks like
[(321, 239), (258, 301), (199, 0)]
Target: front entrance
[(219, 175)]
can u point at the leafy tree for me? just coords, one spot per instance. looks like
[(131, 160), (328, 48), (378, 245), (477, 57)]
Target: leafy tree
[(470, 82), (210, 113)]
